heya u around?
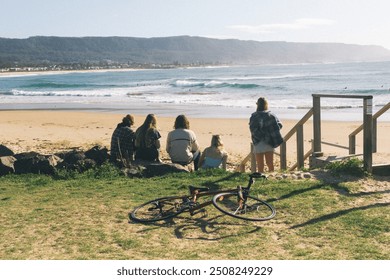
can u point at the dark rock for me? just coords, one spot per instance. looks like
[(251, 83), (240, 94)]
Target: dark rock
[(98, 154), (33, 162), (4, 151), (72, 157), (160, 169), (79, 166), (7, 165), (86, 164)]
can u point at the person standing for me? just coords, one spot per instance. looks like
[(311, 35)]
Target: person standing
[(182, 146), (122, 141), (265, 133), (147, 141)]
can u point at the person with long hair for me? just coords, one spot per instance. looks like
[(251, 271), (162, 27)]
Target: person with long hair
[(265, 133), (122, 141), (214, 156), (182, 146), (147, 141)]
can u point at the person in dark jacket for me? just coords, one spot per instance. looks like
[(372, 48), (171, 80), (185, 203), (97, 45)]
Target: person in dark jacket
[(147, 141), (265, 133)]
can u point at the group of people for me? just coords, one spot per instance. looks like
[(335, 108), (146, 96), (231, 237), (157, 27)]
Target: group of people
[(182, 145)]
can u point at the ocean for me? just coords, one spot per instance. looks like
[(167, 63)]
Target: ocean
[(220, 92)]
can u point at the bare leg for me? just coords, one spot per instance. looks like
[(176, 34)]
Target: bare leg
[(260, 162), (269, 159)]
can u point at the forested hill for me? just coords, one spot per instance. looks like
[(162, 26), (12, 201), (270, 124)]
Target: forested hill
[(176, 50)]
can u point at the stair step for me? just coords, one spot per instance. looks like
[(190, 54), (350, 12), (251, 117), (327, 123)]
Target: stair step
[(381, 169)]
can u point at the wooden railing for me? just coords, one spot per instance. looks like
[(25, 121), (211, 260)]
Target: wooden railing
[(352, 136), (301, 156), (369, 127)]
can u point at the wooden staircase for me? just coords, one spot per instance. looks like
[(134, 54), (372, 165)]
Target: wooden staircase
[(317, 160)]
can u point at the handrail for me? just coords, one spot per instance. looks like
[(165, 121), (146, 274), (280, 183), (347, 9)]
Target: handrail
[(375, 116), (352, 136), (298, 129)]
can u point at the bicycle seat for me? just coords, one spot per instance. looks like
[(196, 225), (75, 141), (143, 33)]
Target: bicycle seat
[(199, 189), (258, 175)]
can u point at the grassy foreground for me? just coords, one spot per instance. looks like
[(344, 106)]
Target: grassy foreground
[(85, 216)]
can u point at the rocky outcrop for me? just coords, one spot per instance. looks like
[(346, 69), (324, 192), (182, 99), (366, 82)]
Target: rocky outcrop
[(33, 162), (79, 161)]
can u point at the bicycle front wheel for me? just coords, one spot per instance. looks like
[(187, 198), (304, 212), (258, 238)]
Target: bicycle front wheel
[(158, 209), (253, 209)]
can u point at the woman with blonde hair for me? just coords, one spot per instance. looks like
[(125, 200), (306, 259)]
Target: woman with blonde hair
[(265, 132), (214, 156), (147, 141)]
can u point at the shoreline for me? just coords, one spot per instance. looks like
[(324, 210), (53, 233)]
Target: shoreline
[(49, 131), (195, 111)]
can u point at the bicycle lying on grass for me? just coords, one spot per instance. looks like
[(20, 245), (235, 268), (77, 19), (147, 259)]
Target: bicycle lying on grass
[(234, 202)]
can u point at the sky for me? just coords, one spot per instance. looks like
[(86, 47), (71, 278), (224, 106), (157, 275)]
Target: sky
[(343, 21)]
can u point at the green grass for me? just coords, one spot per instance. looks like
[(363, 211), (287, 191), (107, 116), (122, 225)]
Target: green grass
[(85, 216), (352, 166)]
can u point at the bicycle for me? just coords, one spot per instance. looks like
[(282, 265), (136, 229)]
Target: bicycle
[(236, 203)]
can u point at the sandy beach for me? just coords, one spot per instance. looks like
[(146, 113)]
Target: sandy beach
[(51, 131)]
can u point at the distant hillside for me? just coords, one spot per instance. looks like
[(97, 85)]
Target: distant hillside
[(179, 50)]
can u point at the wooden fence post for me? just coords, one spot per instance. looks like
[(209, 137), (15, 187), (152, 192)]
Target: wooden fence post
[(283, 156), (300, 147), (367, 134), (317, 126), (352, 144)]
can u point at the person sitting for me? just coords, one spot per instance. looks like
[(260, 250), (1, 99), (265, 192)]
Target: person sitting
[(122, 141), (214, 156), (182, 146), (147, 141)]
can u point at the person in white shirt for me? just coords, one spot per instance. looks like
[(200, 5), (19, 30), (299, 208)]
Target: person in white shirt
[(182, 146)]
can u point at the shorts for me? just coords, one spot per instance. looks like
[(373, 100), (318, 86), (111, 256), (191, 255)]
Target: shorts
[(263, 147)]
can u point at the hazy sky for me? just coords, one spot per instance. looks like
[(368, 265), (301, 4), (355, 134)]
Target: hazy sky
[(346, 21)]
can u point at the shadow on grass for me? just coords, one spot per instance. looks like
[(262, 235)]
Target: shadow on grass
[(339, 213), (336, 187), (203, 228), (341, 190), (213, 229), (297, 192)]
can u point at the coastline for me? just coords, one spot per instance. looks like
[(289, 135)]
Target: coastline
[(194, 111), (49, 131)]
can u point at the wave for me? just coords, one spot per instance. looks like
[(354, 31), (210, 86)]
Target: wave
[(213, 84), (370, 91), (6, 93), (56, 85), (50, 93)]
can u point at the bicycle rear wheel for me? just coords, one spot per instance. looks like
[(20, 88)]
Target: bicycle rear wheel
[(253, 209), (158, 209)]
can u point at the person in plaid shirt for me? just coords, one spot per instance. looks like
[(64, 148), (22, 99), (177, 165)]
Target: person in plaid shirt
[(122, 141)]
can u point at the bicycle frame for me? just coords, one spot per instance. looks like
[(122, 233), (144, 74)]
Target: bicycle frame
[(242, 193)]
